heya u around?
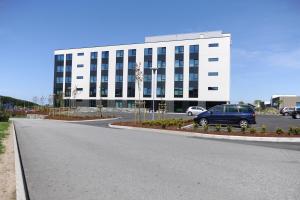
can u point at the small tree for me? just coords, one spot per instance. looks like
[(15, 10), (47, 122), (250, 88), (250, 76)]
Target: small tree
[(139, 78)]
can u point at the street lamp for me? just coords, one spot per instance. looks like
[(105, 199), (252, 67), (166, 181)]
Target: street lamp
[(153, 90)]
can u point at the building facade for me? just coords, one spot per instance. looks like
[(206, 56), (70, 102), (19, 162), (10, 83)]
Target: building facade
[(184, 70), (281, 101)]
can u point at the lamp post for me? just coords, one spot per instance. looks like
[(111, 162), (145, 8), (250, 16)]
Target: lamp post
[(153, 91)]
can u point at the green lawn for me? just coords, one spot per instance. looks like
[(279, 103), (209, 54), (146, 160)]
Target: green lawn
[(3, 133)]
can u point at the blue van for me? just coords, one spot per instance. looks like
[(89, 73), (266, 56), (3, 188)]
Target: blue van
[(242, 115)]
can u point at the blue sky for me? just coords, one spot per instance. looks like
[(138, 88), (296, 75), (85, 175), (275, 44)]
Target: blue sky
[(265, 38)]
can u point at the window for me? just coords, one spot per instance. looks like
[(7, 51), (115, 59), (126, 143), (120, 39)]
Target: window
[(194, 63), (94, 55), (178, 63), (59, 79), (59, 57), (147, 78), (178, 92), (213, 88), (161, 51), (231, 108), (79, 89), (193, 92), (147, 64), (213, 73), (193, 77), (103, 91), (161, 77), (131, 65), (119, 78), (93, 79), (68, 68), (194, 48), (79, 77), (245, 109), (104, 79), (119, 65), (148, 51), (132, 52), (131, 78), (178, 77), (80, 54), (93, 67), (80, 65), (119, 104), (69, 57), (213, 45), (105, 54), (59, 68), (161, 64), (213, 59), (147, 91), (218, 108), (104, 66), (68, 79), (179, 50), (120, 53), (160, 91)]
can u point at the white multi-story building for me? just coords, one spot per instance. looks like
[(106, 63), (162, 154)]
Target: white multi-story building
[(185, 70)]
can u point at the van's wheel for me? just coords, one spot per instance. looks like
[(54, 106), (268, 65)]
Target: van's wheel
[(297, 116), (244, 123), (203, 122), (190, 113)]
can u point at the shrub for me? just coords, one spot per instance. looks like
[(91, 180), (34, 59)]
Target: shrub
[(179, 123), (291, 130), (252, 130), (279, 131), (229, 129), (263, 129), (4, 117), (163, 124), (195, 125), (218, 127), (243, 129), (205, 128)]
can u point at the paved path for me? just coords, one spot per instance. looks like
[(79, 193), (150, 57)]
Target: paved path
[(72, 161)]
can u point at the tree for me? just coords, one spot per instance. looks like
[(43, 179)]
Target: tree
[(241, 102), (139, 78)]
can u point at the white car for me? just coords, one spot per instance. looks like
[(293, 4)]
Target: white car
[(195, 110)]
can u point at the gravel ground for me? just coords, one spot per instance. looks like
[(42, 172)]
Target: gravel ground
[(7, 170)]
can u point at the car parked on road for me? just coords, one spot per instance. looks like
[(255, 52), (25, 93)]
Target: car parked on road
[(296, 113), (242, 115), (195, 110), (286, 111)]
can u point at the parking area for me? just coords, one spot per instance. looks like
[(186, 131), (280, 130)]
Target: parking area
[(272, 122)]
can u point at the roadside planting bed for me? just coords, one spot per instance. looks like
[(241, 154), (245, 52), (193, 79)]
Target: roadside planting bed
[(182, 125)]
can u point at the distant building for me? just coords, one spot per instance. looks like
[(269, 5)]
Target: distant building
[(280, 101), (190, 69)]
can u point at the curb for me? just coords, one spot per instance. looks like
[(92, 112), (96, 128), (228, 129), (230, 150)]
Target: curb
[(21, 187), (211, 136), (90, 120)]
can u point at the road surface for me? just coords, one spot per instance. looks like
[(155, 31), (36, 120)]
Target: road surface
[(73, 161)]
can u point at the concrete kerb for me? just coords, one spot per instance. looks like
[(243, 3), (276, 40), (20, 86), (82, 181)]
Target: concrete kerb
[(211, 136), (20, 188)]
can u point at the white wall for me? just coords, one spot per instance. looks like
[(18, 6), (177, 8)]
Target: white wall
[(222, 67)]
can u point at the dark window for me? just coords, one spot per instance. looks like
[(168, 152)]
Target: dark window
[(147, 92), (161, 64), (213, 45), (93, 67), (131, 78), (178, 92), (68, 79), (119, 65), (213, 59), (245, 109), (59, 57), (59, 68), (213, 88), (69, 57), (193, 77), (105, 54), (80, 65), (148, 51), (213, 73), (160, 92), (93, 79), (79, 77), (104, 66), (194, 48), (179, 50), (147, 64), (218, 108), (131, 65), (80, 54), (194, 62), (161, 77), (231, 108), (161, 50), (193, 92), (120, 53), (147, 78), (179, 63), (68, 68), (94, 55), (178, 77), (59, 79), (132, 52), (104, 78), (79, 89), (119, 78)]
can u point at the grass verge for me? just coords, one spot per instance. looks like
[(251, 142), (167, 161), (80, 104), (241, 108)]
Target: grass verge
[(3, 134)]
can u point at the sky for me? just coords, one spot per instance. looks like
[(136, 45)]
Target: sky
[(265, 51)]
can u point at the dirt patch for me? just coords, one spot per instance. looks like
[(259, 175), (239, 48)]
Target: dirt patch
[(7, 170), (211, 130)]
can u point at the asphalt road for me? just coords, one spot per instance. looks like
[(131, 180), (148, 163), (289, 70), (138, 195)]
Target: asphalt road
[(73, 161)]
